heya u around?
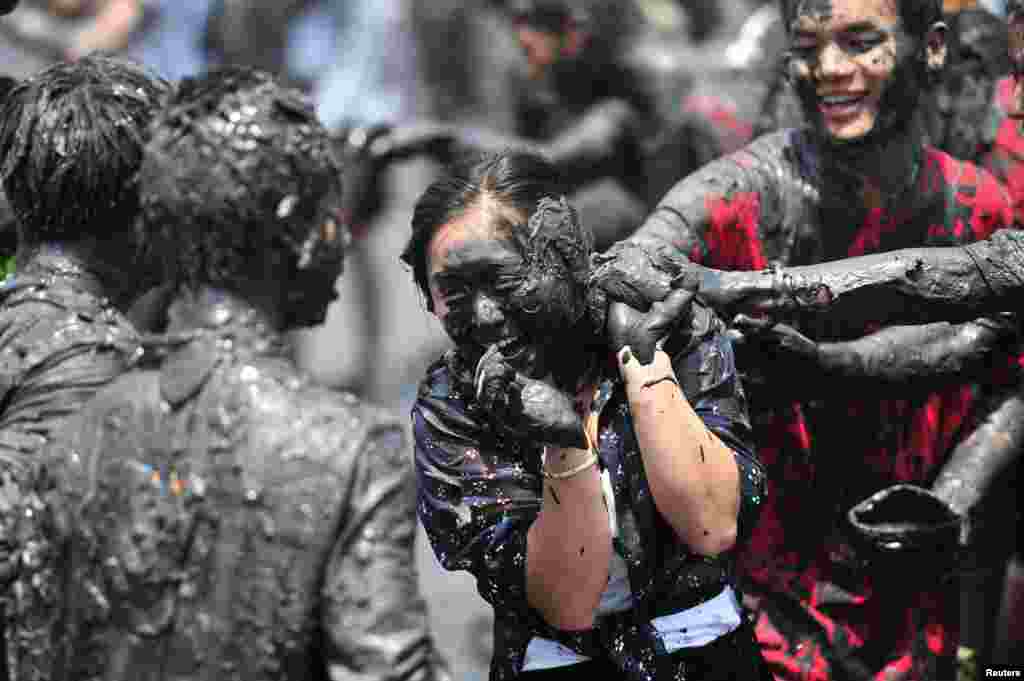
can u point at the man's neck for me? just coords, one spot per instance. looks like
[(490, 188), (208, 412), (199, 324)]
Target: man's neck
[(252, 321), (883, 169), (72, 264)]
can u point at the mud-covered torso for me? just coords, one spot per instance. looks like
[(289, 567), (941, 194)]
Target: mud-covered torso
[(60, 341), (772, 204), (198, 505)]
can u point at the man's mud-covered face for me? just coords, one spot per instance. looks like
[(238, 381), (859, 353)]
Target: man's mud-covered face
[(319, 261), (545, 33), (542, 48), (847, 57)]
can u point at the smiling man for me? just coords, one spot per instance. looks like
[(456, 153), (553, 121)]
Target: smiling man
[(857, 179)]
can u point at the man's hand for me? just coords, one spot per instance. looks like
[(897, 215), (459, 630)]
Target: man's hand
[(644, 332), (639, 274), (768, 353), (435, 140), (527, 408)]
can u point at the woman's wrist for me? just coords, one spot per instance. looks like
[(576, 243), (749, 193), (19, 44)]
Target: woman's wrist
[(637, 375), (561, 463)]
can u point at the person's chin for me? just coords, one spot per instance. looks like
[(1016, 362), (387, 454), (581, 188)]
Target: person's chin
[(848, 131)]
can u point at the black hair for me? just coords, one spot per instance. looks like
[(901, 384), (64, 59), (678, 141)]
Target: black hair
[(979, 35), (611, 24), (918, 16), (513, 179), (71, 140), (6, 85), (235, 173)]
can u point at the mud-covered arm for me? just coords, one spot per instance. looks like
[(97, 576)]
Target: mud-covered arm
[(586, 144), (986, 455), (374, 616), (711, 384), (911, 285), (901, 358), (710, 217), (690, 419)]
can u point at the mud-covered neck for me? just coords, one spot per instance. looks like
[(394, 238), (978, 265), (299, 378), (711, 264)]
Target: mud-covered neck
[(887, 165), (75, 265), (251, 328)]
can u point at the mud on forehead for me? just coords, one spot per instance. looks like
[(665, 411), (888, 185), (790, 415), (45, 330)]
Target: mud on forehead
[(485, 218), (826, 10)]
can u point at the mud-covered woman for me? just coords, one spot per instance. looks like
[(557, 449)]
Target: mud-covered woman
[(591, 467)]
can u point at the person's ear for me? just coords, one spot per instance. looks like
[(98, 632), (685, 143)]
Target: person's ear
[(936, 47)]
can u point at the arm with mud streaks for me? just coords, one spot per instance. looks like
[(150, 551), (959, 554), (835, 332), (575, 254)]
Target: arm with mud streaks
[(911, 285), (713, 217), (374, 616), (907, 359), (589, 142), (985, 456), (690, 417)]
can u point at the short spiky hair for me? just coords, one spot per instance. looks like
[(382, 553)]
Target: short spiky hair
[(235, 171), (71, 141), (918, 15)]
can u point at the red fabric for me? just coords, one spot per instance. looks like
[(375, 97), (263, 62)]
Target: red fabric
[(1006, 159), (812, 608), (733, 132)]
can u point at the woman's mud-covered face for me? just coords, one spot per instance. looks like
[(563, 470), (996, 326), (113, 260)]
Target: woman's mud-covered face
[(475, 270), (845, 56)]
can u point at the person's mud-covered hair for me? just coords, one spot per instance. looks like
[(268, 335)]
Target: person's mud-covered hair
[(515, 181), (918, 16), (977, 35), (71, 141), (236, 172)]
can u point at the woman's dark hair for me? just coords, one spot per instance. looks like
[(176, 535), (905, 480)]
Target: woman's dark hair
[(71, 140), (918, 16), (513, 179), (234, 175)]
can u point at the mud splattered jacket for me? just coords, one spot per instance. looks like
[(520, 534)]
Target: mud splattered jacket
[(60, 342), (214, 515), (479, 493), (821, 614)]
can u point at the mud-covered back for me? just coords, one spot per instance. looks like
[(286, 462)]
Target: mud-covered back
[(198, 507)]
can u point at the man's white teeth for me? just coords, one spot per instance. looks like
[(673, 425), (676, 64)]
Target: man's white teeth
[(839, 100)]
